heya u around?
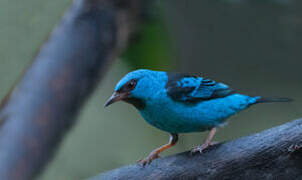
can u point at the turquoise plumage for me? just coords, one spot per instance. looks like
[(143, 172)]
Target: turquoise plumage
[(181, 103)]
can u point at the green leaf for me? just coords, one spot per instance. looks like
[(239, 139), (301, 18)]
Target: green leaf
[(152, 47)]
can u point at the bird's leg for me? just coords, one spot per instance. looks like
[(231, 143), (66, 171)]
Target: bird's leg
[(207, 143), (155, 153)]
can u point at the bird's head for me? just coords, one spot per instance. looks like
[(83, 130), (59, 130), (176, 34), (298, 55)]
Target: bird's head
[(136, 87)]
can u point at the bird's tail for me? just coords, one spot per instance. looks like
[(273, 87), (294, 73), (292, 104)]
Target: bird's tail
[(271, 100)]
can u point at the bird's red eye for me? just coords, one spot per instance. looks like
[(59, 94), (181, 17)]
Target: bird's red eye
[(131, 84)]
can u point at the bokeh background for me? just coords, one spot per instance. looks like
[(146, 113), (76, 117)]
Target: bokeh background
[(252, 45)]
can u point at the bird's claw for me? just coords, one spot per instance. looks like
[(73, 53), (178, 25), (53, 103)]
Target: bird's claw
[(148, 159), (202, 147)]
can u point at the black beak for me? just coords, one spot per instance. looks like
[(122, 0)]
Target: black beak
[(116, 96)]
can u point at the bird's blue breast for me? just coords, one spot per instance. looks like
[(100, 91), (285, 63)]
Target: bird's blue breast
[(178, 117)]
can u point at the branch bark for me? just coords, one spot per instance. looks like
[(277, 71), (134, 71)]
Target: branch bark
[(43, 105), (272, 154)]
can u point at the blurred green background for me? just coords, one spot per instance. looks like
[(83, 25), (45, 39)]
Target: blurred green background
[(255, 46)]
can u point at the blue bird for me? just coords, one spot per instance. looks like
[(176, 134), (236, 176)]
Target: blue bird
[(181, 103)]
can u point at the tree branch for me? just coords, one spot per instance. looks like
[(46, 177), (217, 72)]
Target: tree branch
[(43, 105), (272, 154)]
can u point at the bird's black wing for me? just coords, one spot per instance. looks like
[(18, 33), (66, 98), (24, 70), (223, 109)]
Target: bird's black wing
[(191, 88)]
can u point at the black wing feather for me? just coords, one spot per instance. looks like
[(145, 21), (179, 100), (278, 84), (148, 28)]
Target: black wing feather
[(191, 88)]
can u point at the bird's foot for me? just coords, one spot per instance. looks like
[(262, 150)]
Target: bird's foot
[(202, 147), (148, 159)]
